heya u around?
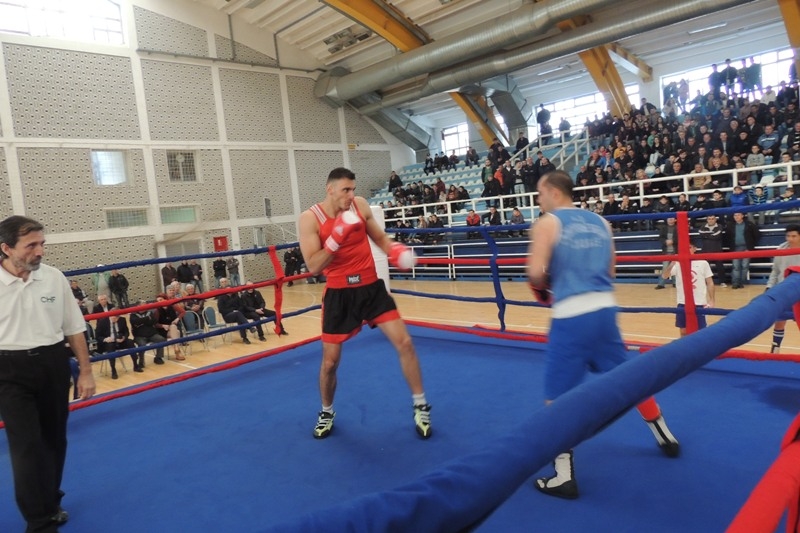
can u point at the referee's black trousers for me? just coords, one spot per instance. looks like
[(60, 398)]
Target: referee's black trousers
[(34, 405)]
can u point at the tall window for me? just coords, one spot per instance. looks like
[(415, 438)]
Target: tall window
[(98, 21), (455, 138), (181, 166), (109, 167)]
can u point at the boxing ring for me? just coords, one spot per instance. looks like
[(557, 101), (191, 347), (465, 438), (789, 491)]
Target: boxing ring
[(229, 447)]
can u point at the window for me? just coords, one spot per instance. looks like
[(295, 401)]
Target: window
[(181, 166), (181, 214), (455, 138), (98, 21), (126, 218), (582, 108), (109, 167)]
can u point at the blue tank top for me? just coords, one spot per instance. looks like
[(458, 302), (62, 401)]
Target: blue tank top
[(582, 255)]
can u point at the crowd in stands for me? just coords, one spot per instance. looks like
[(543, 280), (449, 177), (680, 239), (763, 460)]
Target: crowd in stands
[(736, 125), (110, 334)]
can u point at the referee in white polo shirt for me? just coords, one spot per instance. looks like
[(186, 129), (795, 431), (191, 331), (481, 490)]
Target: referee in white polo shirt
[(38, 312)]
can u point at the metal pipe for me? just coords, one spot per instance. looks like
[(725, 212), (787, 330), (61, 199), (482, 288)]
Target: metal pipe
[(573, 41), (520, 25)]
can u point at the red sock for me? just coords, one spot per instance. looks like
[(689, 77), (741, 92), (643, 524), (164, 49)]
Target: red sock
[(649, 409)]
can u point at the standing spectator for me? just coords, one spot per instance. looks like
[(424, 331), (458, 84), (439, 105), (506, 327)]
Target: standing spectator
[(233, 271), (545, 134), (563, 128), (711, 240), (491, 189), (668, 235), (522, 143), (168, 275), (758, 197), (729, 76), (486, 171), (779, 266), (100, 282), (35, 374), (702, 289), (542, 118), (80, 296), (291, 263), (184, 275), (394, 181), (197, 275), (741, 235), (220, 268)]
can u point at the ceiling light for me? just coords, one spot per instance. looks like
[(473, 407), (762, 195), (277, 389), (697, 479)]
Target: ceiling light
[(545, 72), (708, 28)]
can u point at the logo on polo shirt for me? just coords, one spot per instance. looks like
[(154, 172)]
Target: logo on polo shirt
[(47, 299), (354, 279)]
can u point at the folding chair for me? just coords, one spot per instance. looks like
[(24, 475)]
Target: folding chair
[(210, 316), (191, 326)]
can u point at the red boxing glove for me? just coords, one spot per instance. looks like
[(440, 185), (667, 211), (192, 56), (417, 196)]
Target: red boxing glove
[(543, 295), (346, 223), (402, 256)]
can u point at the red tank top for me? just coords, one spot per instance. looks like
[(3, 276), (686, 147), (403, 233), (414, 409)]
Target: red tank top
[(352, 263)]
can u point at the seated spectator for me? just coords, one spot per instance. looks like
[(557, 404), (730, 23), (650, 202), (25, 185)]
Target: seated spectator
[(113, 335), (254, 307), (701, 179), (192, 303), (683, 203), (452, 196), (168, 321), (453, 160), (230, 307), (473, 220), (472, 157), (628, 207), (430, 165), (516, 219), (492, 218), (434, 222), (144, 328)]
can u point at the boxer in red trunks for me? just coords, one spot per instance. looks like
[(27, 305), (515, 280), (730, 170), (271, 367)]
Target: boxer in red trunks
[(333, 241)]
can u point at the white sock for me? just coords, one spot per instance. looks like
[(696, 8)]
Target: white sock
[(661, 431), (419, 399), (327, 409), (563, 465)]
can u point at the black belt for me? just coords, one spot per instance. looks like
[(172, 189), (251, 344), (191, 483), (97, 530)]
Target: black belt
[(31, 352)]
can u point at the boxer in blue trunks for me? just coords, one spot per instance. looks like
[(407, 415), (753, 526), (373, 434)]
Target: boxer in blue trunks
[(571, 265)]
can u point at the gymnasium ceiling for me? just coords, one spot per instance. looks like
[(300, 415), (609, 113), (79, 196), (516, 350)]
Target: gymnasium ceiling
[(334, 40)]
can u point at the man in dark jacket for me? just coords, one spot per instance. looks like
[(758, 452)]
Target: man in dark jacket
[(231, 308), (741, 235), (254, 307), (144, 331), (118, 285)]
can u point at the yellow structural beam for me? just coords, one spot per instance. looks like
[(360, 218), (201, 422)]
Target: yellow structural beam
[(473, 116), (603, 71), (375, 16), (631, 62), (405, 36), (790, 9)]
